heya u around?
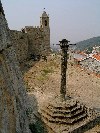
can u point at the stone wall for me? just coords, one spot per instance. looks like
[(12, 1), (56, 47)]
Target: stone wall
[(13, 103), (6, 106), (32, 40), (39, 40), (3, 36), (20, 43)]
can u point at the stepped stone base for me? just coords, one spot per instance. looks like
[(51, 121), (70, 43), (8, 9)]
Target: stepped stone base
[(68, 116)]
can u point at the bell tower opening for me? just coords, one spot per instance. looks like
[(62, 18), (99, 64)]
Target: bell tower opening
[(44, 20)]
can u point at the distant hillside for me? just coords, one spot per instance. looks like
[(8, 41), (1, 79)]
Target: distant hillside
[(88, 44)]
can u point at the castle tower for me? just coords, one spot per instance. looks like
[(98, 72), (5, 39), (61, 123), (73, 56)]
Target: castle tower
[(44, 25), (44, 21)]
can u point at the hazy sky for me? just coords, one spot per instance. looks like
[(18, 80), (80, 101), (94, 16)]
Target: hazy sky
[(74, 20)]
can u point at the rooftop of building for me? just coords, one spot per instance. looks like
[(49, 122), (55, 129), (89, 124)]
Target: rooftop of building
[(96, 56)]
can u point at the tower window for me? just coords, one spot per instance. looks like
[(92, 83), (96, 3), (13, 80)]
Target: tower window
[(45, 22)]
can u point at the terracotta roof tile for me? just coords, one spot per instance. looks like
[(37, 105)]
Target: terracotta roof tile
[(96, 56)]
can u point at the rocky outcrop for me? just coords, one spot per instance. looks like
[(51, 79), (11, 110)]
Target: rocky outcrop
[(13, 118)]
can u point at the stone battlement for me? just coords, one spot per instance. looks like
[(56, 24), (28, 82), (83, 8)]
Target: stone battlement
[(32, 40)]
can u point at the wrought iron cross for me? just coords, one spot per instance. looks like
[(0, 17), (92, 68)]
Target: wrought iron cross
[(64, 60)]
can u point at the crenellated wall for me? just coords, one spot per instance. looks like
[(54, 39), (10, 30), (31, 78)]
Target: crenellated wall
[(38, 39), (32, 40)]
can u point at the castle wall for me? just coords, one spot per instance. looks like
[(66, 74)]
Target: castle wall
[(32, 40), (7, 103), (35, 40), (20, 43), (13, 103), (39, 40), (3, 36), (34, 37)]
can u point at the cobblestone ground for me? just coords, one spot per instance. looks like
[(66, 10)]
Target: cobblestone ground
[(43, 80)]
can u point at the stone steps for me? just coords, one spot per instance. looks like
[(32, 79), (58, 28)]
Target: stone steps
[(65, 120), (68, 117), (55, 113), (64, 105), (64, 111)]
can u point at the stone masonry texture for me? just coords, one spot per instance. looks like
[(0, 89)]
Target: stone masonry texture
[(32, 40), (13, 118)]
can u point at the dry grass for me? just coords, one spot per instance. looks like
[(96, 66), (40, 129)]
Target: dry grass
[(44, 80)]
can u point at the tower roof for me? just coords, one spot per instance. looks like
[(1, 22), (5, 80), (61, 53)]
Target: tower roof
[(44, 14)]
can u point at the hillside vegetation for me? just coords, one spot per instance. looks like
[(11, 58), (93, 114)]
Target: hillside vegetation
[(88, 44)]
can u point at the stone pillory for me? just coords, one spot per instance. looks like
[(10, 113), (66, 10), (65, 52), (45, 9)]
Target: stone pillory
[(65, 114), (64, 47)]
